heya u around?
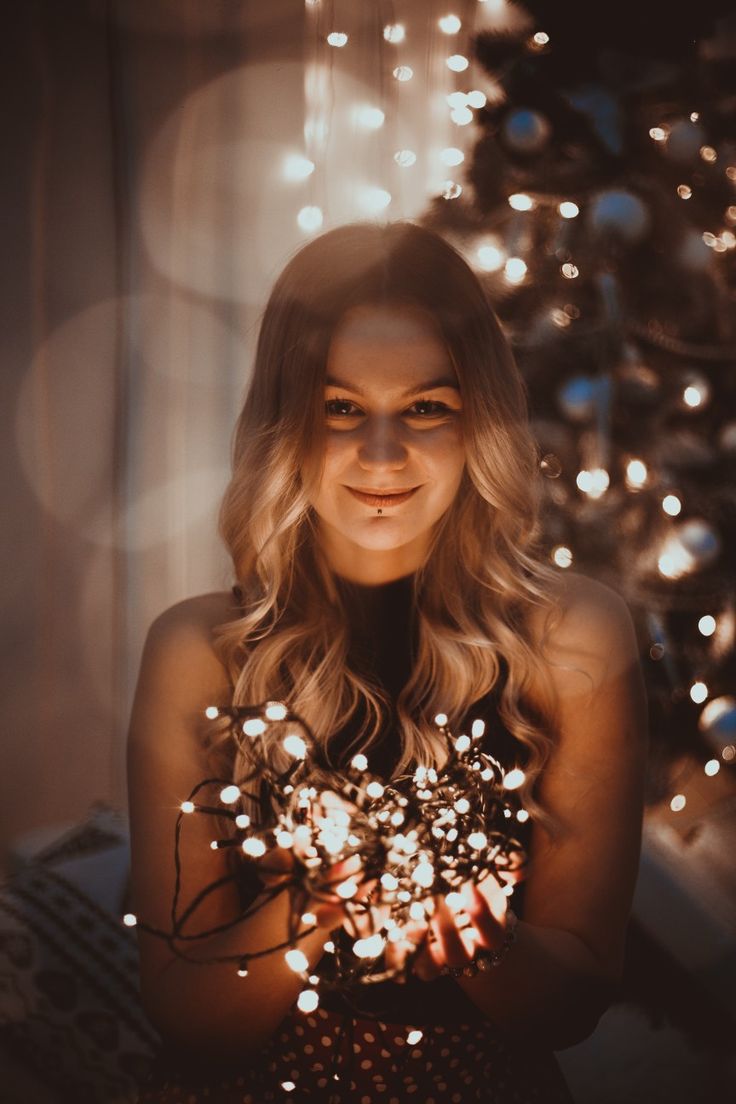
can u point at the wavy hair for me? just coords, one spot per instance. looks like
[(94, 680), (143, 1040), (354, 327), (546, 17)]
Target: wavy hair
[(481, 572)]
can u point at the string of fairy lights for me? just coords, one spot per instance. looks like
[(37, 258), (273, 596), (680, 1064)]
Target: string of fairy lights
[(423, 834)]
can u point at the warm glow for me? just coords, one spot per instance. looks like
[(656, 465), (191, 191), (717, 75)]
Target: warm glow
[(593, 483), (254, 847), (476, 98), (636, 473), (671, 505), (229, 794), (307, 1000), (562, 556), (276, 711), (514, 779), (295, 746), (678, 802), (403, 73), (707, 624), (296, 960), (405, 158), (449, 24), (394, 33), (254, 726), (568, 209), (458, 63), (297, 167), (337, 38), (490, 257), (452, 156), (373, 200), (515, 270), (369, 117), (521, 202), (698, 692), (712, 767)]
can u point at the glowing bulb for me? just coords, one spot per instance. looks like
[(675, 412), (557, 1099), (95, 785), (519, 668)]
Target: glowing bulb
[(441, 720), (570, 271), (211, 712), (359, 762), (477, 728), (403, 73), (452, 156), (374, 789), (521, 202), (514, 270), (541, 38), (712, 767), (461, 805), (229, 794), (457, 99), (394, 33), (254, 726), (284, 838), (414, 1037), (476, 99), (307, 1000), (243, 971), (254, 847), (130, 920), (636, 473), (708, 154), (405, 158), (276, 711), (671, 505), (658, 134), (458, 63), (707, 624), (514, 779), (288, 1086), (347, 889), (678, 803), (462, 744), (337, 38), (449, 24), (594, 483), (477, 840), (568, 209), (242, 820), (692, 396), (329, 946), (698, 692), (423, 874), (187, 806), (297, 167), (369, 117), (490, 257), (294, 745), (296, 960), (370, 947), (388, 881), (454, 901), (684, 191), (374, 199), (522, 815), (461, 116), (562, 556)]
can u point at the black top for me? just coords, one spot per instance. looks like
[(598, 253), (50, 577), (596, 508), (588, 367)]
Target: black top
[(383, 643)]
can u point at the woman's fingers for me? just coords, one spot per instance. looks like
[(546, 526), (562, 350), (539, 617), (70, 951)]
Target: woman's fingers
[(487, 912)]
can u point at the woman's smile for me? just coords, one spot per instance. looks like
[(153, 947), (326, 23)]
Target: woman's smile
[(383, 498)]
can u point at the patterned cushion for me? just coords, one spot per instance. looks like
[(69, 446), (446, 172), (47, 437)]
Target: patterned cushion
[(69, 1004)]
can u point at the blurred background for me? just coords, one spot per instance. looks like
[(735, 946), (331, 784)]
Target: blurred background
[(161, 162)]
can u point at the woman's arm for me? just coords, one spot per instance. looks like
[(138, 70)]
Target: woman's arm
[(205, 1006), (561, 974)]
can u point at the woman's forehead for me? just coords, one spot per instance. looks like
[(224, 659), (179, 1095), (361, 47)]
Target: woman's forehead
[(387, 325)]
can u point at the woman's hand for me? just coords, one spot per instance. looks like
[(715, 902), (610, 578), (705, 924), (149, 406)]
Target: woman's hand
[(478, 919)]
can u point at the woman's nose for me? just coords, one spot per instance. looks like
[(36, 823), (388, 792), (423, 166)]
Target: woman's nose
[(382, 442)]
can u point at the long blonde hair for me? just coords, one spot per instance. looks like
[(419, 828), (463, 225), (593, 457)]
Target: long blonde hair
[(481, 572)]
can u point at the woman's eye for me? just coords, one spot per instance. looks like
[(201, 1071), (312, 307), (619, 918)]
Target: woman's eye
[(422, 408)]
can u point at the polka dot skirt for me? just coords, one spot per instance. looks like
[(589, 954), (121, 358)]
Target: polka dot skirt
[(335, 1059)]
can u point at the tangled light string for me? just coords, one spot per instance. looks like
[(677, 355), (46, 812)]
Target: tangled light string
[(424, 834)]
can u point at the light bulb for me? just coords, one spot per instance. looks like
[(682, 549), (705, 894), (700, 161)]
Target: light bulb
[(568, 209), (515, 270), (394, 33), (520, 201), (337, 38), (229, 794), (458, 63), (297, 167), (405, 158), (562, 556)]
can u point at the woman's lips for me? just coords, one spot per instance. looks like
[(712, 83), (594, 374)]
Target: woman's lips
[(383, 499)]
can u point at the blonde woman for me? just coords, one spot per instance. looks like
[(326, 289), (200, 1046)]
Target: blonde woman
[(381, 520)]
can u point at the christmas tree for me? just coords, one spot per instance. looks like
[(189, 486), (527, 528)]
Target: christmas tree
[(599, 208)]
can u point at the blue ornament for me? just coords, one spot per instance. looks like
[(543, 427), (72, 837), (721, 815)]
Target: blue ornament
[(619, 214), (578, 398), (525, 130)]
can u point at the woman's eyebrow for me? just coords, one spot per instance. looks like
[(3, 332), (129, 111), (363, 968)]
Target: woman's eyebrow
[(430, 385)]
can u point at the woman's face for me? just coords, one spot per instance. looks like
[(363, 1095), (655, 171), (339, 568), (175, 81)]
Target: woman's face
[(394, 453)]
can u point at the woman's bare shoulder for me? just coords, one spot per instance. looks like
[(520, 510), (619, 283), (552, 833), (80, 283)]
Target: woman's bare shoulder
[(589, 626), (181, 637)]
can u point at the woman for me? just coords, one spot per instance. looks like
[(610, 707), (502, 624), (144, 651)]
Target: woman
[(381, 520)]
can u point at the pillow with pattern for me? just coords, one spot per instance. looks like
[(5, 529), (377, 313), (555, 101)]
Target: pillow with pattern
[(69, 1003)]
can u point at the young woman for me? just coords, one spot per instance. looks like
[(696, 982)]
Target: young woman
[(381, 520)]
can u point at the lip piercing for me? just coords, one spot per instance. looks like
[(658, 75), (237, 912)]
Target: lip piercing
[(380, 511)]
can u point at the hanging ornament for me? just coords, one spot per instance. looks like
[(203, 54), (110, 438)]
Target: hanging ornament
[(684, 141), (526, 131), (718, 724), (578, 398), (619, 214)]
